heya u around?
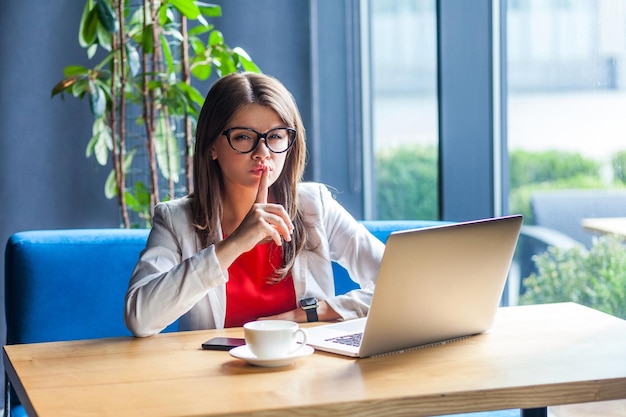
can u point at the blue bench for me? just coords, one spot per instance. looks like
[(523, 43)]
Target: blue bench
[(70, 284)]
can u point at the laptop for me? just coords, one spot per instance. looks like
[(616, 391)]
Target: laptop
[(435, 284)]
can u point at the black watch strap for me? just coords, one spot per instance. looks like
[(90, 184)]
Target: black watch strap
[(309, 305), (311, 314)]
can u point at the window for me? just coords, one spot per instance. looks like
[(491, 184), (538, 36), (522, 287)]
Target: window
[(404, 109), (567, 101), (566, 136)]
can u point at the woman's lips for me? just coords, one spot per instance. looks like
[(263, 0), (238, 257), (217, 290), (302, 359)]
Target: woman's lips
[(258, 169)]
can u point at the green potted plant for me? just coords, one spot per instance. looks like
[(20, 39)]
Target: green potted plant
[(595, 277), (149, 53)]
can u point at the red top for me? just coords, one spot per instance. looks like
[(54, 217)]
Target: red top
[(249, 295)]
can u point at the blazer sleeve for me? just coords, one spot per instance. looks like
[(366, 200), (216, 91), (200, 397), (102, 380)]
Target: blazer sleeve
[(352, 246), (170, 277)]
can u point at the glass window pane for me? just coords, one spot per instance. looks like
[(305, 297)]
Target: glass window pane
[(567, 133), (404, 108)]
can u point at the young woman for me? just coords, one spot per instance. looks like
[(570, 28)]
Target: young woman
[(252, 241)]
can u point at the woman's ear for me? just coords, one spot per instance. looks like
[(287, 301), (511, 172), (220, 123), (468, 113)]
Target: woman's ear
[(213, 153)]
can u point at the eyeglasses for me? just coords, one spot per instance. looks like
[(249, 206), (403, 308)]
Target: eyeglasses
[(245, 139)]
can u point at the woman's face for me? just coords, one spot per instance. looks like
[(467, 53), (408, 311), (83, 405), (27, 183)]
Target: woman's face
[(245, 169)]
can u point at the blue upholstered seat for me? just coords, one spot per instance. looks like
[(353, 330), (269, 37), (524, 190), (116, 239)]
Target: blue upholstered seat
[(68, 284)]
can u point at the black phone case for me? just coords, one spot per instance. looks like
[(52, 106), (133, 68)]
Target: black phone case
[(223, 343)]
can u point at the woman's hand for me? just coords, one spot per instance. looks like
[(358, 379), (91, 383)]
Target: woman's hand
[(270, 221), (263, 222)]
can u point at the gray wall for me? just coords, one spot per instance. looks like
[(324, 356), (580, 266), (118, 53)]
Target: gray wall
[(45, 180)]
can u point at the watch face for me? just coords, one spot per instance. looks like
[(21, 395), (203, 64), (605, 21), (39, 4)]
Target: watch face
[(308, 302)]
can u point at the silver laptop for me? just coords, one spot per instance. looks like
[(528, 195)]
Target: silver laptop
[(435, 284)]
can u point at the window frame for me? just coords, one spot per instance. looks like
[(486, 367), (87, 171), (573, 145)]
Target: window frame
[(472, 112), (472, 106)]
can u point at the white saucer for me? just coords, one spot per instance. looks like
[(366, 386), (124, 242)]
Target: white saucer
[(243, 352)]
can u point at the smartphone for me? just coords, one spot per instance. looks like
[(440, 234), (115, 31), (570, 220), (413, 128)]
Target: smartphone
[(223, 343)]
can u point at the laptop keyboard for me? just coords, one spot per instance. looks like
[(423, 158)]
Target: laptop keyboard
[(349, 339)]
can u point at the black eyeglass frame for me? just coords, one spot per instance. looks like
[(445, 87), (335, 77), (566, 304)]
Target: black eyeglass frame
[(291, 132)]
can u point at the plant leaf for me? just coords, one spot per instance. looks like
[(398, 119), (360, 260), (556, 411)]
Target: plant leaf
[(192, 93), (75, 70), (137, 202), (142, 193), (103, 86), (166, 149), (227, 64), (91, 50), (201, 71), (64, 84), (197, 45), (84, 21), (216, 38), (97, 99), (210, 10), (245, 60), (166, 16), (200, 29), (133, 59), (167, 54), (106, 15), (146, 40), (79, 88), (90, 29), (104, 37), (100, 141), (131, 201), (202, 22), (186, 7), (110, 185)]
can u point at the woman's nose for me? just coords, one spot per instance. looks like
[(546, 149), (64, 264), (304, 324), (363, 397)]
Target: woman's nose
[(261, 151)]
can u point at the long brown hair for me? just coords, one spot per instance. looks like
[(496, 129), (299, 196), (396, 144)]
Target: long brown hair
[(225, 98)]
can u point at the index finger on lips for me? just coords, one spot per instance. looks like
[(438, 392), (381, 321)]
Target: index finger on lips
[(261, 195)]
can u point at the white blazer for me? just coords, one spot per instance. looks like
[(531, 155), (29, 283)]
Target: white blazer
[(176, 279)]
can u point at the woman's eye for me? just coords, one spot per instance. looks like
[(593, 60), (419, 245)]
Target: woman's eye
[(242, 138), (278, 134)]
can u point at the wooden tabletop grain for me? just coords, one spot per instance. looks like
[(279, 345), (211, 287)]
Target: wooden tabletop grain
[(535, 356)]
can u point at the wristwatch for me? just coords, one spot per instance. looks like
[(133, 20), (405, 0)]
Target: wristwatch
[(309, 305)]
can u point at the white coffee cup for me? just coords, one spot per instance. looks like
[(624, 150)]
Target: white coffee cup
[(271, 339)]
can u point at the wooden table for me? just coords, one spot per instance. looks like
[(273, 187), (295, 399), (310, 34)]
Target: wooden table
[(535, 356), (606, 225)]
